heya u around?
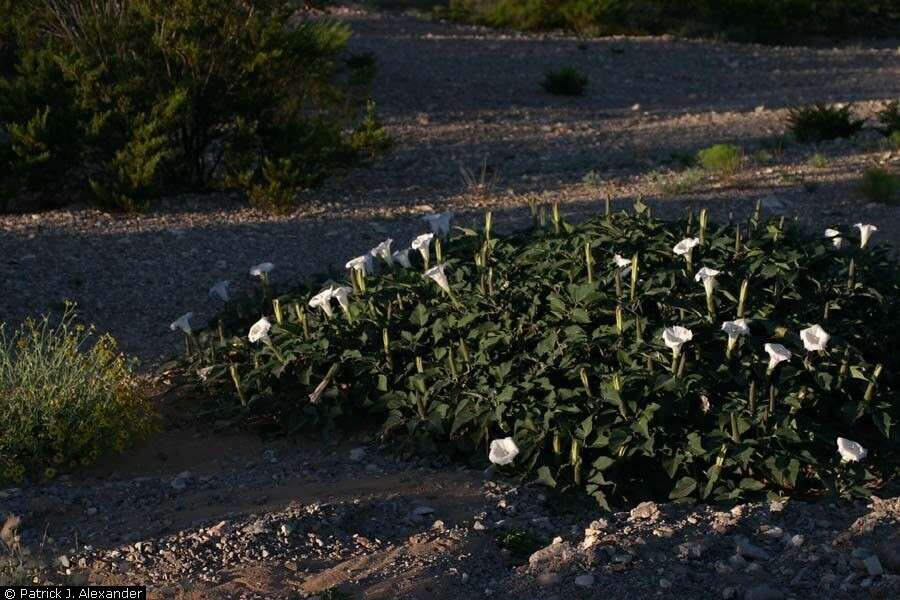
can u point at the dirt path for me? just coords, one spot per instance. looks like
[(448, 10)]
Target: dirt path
[(453, 96)]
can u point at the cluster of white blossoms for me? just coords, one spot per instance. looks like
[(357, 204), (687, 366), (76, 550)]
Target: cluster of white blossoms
[(504, 451), (814, 338)]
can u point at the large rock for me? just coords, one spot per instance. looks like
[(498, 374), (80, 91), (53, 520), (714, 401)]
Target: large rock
[(554, 558), (645, 510)]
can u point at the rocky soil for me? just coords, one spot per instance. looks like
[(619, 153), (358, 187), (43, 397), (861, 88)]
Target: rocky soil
[(206, 513)]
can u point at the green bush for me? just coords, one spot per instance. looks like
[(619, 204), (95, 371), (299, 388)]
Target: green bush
[(566, 81), (520, 543), (722, 159), (822, 122), (66, 398), (817, 161), (758, 20), (370, 138), (879, 185), (894, 140), (889, 118), (549, 338), (678, 183), (130, 99)]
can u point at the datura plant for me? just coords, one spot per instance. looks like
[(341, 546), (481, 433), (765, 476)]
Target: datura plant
[(590, 357)]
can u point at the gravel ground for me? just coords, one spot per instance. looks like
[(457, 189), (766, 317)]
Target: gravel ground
[(290, 520), (453, 96), (197, 513)]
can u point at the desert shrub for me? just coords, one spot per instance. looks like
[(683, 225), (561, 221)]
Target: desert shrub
[(894, 140), (66, 398), (817, 161), (822, 122), (370, 138), (880, 185), (566, 81), (520, 543), (679, 182), (758, 20), (550, 337), (763, 157), (722, 159), (889, 118), (130, 99)]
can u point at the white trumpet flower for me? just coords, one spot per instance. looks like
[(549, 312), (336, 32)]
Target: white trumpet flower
[(850, 451), (865, 232), (260, 331), (262, 269), (503, 451), (423, 244), (675, 337), (383, 250), (439, 223), (835, 236), (777, 353), (342, 295), (814, 338), (361, 263), (221, 290), (183, 323), (402, 257), (436, 273), (323, 300), (621, 262), (734, 330), (708, 277), (686, 247)]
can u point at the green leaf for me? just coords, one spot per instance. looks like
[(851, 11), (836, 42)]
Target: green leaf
[(419, 315), (751, 485), (684, 488), (544, 477), (603, 462)]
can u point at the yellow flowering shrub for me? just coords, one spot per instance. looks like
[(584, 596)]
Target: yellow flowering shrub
[(67, 397)]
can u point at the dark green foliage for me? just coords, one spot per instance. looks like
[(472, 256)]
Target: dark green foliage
[(759, 20), (133, 98), (520, 543), (334, 594), (894, 140), (722, 159), (822, 122), (879, 185), (531, 347), (370, 138), (890, 118), (566, 81)]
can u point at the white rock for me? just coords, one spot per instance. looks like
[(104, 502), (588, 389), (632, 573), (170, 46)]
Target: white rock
[(357, 454)]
